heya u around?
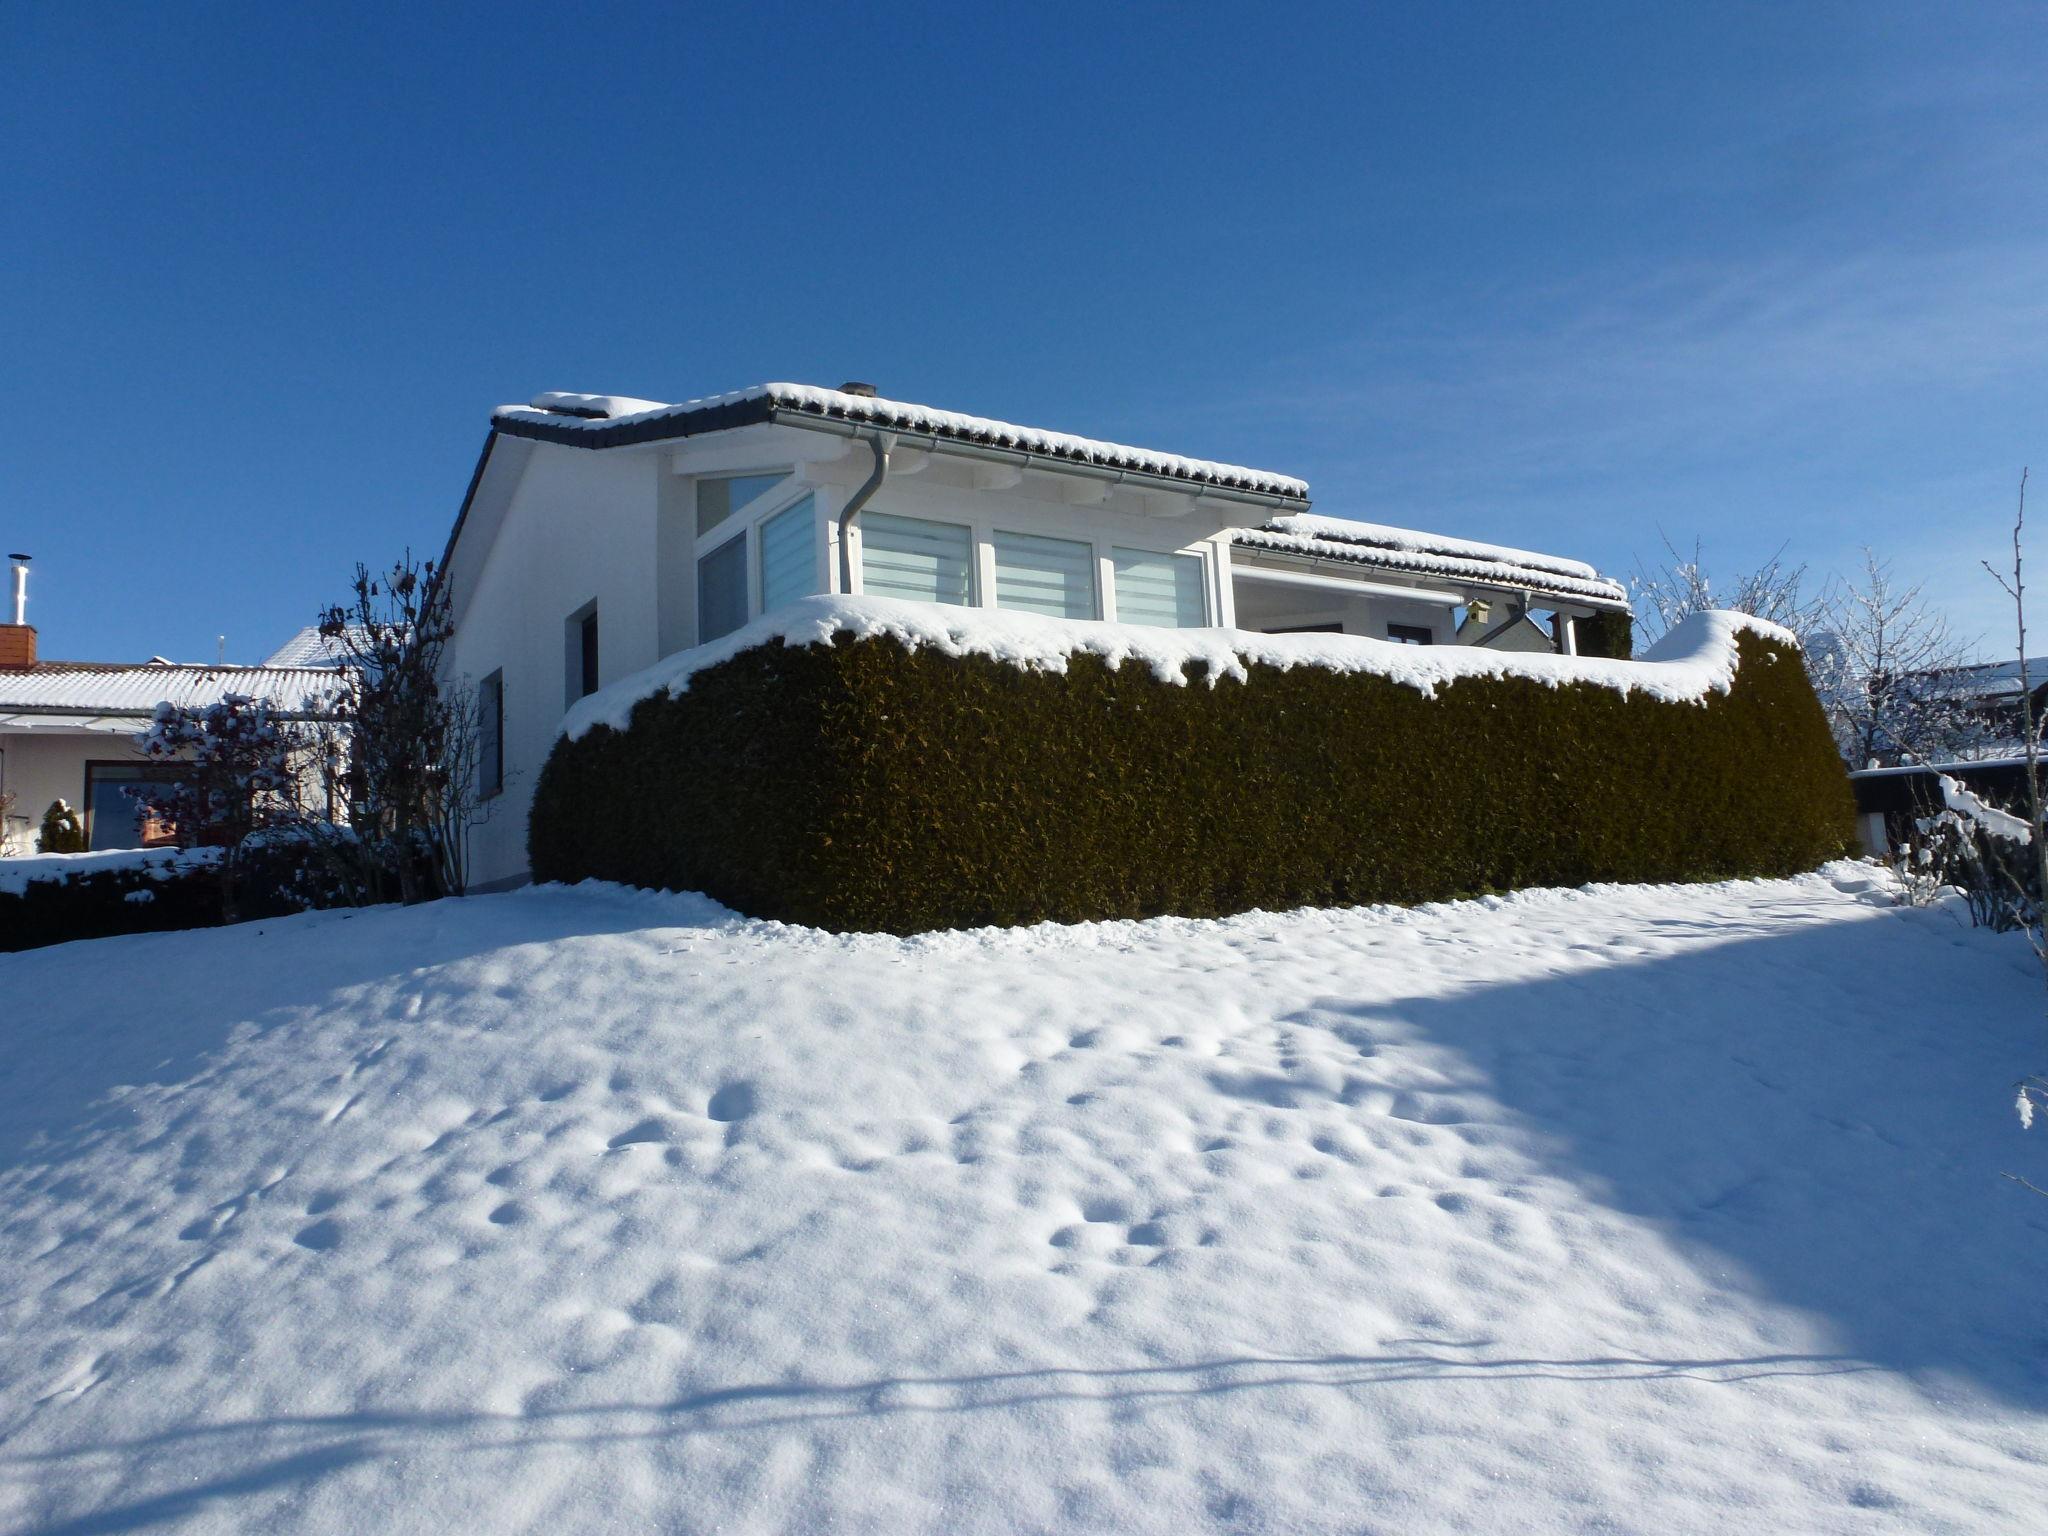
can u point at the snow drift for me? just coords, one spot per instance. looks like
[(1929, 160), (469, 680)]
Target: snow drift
[(1666, 1210)]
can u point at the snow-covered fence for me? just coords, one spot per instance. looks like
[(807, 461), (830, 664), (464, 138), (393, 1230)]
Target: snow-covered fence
[(863, 764)]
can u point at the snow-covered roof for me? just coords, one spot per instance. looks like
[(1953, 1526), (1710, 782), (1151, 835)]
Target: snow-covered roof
[(1434, 555), (1990, 681), (308, 648), (606, 421), (1697, 657), (99, 689)]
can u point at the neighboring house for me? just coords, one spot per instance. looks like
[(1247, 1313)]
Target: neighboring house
[(67, 728), (602, 533), (1988, 696)]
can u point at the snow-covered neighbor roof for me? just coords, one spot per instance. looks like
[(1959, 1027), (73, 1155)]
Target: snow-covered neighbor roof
[(1430, 554), (308, 648), (88, 688), (1696, 657), (598, 421)]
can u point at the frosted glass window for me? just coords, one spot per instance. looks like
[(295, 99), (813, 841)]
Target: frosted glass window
[(789, 567), (909, 557), (719, 499), (722, 590), (1055, 577), (1158, 589)]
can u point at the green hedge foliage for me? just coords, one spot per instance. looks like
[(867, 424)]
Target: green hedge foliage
[(865, 786)]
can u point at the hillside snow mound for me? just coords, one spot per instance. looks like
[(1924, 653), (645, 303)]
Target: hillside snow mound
[(1667, 1210)]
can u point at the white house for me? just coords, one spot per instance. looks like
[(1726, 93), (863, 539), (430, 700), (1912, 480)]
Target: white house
[(601, 534), (68, 728)]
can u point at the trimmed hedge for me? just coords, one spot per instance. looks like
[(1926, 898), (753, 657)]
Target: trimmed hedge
[(274, 880), (865, 786)]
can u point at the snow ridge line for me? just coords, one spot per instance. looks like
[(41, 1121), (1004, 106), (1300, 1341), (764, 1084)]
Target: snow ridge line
[(1696, 658)]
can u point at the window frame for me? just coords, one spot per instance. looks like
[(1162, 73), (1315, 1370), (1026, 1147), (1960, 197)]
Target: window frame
[(1202, 593), (977, 581), (581, 654), (793, 489), (490, 749)]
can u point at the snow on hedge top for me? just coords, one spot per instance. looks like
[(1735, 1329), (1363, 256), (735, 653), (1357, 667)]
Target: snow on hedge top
[(1430, 554), (1697, 657), (16, 875), (595, 414)]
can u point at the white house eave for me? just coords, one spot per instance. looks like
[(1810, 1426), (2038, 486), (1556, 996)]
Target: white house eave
[(1189, 492), (1338, 574)]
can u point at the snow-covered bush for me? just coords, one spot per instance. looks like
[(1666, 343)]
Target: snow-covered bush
[(242, 769), (63, 830), (869, 783)]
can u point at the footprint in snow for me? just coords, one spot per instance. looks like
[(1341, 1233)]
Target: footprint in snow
[(735, 1101)]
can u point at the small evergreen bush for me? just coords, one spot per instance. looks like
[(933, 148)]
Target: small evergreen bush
[(62, 830), (865, 786)]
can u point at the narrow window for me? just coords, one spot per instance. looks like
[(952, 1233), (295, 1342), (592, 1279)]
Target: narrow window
[(718, 499), (909, 557), (490, 735), (579, 654), (1055, 577), (1158, 589), (722, 590), (789, 557), (1411, 634)]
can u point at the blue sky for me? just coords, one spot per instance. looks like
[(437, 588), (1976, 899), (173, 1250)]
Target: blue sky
[(1574, 277)]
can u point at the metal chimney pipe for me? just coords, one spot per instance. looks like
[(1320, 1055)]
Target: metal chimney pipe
[(20, 588)]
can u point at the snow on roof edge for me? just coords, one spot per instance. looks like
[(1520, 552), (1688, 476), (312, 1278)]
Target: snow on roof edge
[(1496, 573), (905, 416), (1696, 658), (1417, 541)]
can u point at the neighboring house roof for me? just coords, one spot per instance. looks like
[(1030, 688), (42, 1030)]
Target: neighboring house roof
[(309, 648), (87, 690), (1993, 682), (611, 421), (1426, 554)]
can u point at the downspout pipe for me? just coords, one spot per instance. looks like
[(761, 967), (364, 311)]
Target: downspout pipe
[(879, 444)]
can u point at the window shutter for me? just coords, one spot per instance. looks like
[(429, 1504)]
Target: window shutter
[(1159, 589), (909, 557), (1055, 577), (788, 555)]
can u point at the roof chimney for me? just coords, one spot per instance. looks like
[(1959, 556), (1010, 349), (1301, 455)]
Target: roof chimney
[(18, 640), (856, 387)]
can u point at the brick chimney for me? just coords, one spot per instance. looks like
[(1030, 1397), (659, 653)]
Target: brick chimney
[(18, 640)]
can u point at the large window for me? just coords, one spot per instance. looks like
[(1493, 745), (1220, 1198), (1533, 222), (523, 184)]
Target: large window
[(1159, 589), (1055, 577), (722, 590), (909, 557), (789, 555), (719, 499), (490, 735), (1411, 634), (118, 813)]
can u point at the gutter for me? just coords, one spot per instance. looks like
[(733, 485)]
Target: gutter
[(879, 443)]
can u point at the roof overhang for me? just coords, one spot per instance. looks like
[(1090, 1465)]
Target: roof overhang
[(1366, 567)]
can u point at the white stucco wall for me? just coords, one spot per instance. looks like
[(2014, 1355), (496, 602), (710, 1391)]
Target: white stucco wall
[(579, 526)]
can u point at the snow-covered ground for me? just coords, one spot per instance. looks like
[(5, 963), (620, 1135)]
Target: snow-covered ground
[(1651, 1210)]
